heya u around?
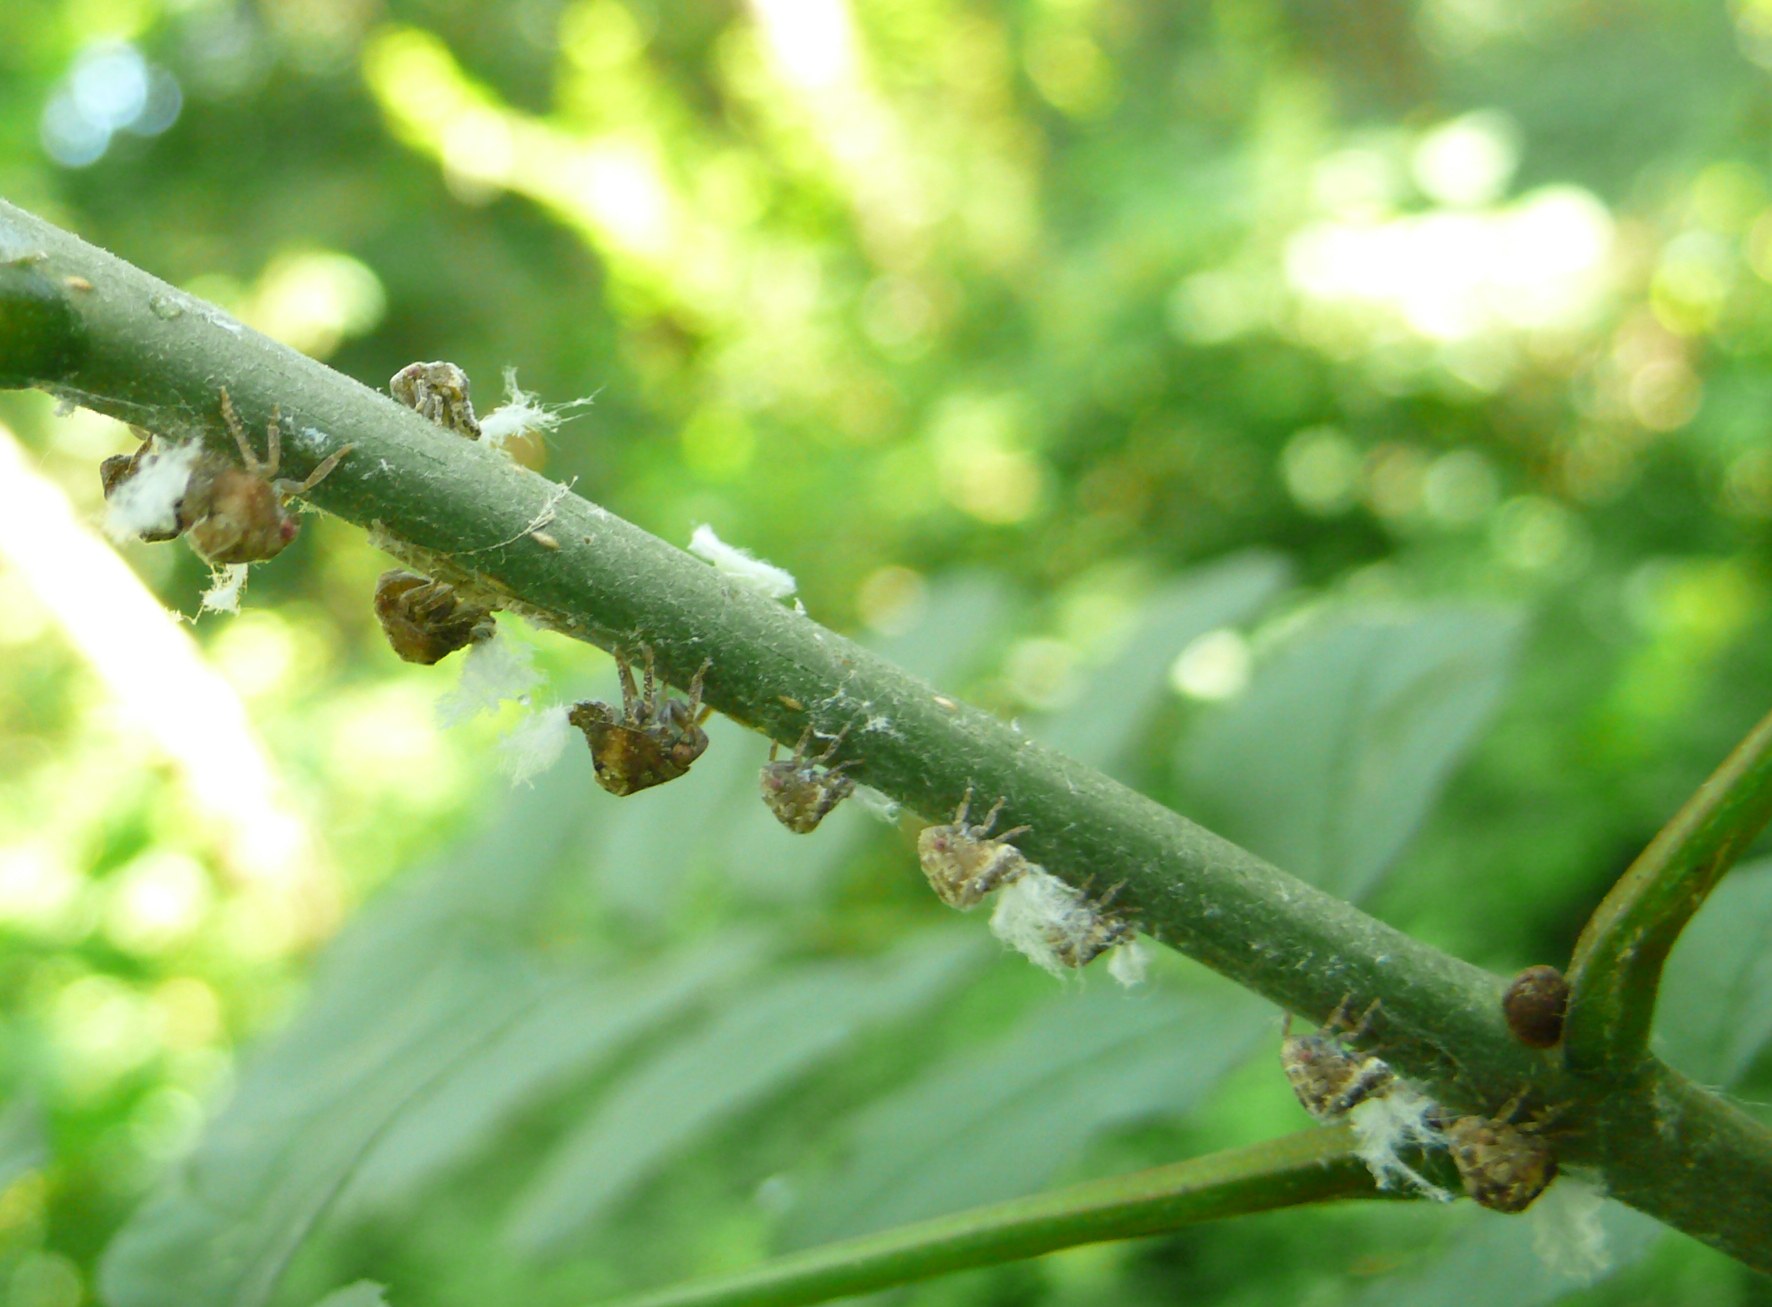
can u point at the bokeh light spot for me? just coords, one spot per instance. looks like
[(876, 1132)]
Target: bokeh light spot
[(109, 88), (1449, 275), (257, 652), (103, 1029), (1395, 480), (1534, 534), (1071, 72), (983, 471), (37, 887), (156, 901), (1321, 468), (190, 1012), (45, 1279), (890, 600), (811, 41), (1460, 487), (1213, 666), (313, 300), (1469, 161), (599, 35), (479, 153), (109, 84), (1665, 394)]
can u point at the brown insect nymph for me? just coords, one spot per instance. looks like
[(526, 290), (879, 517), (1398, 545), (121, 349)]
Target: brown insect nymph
[(239, 513), (230, 512), (1329, 1078), (1077, 943), (651, 741), (801, 790), (964, 863), (1504, 1166), (425, 620), (438, 391)]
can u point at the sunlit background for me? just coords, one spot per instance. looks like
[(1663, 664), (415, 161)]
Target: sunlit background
[(988, 322)]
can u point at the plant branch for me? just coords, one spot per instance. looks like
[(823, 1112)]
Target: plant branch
[(94, 330), (1312, 1166), (1616, 972)]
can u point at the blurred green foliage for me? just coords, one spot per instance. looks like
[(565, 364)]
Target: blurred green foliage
[(1006, 328)]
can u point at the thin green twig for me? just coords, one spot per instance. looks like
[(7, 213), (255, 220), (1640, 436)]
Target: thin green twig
[(1616, 972), (1312, 1166)]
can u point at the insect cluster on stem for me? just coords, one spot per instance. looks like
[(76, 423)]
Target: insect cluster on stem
[(1502, 1164), (1054, 924), (426, 620)]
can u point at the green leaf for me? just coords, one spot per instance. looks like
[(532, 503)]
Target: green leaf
[(1714, 1015), (493, 884), (1001, 1121), (1332, 757), (764, 1038), (1108, 719), (303, 1118), (963, 613), (577, 1028), (1310, 1166)]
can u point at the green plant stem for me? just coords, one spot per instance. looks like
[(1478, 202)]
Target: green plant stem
[(456, 509), (1616, 971), (119, 341), (1310, 1167)]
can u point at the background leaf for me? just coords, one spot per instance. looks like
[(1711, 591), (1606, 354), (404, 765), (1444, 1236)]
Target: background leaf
[(757, 1042), (1714, 1015), (579, 1024), (301, 1122), (1498, 1252), (1002, 1120), (1330, 759), (1111, 715)]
